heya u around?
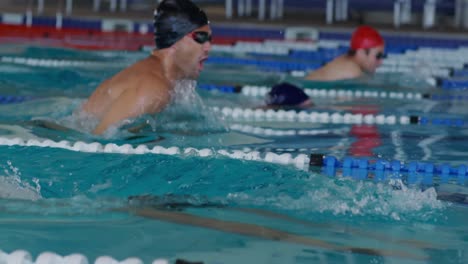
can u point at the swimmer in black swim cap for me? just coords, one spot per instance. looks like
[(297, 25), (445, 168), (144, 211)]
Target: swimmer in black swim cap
[(174, 19), (286, 94), (183, 41)]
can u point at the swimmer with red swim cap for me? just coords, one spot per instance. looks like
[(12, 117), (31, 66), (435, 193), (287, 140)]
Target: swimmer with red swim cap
[(365, 55), (183, 39)]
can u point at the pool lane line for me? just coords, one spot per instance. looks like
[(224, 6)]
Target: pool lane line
[(252, 90), (55, 63), (248, 90), (262, 91), (47, 257), (379, 170), (356, 168), (300, 160), (260, 131), (332, 117)]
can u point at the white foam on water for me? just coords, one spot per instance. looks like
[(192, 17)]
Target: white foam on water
[(187, 111), (80, 121), (12, 187), (85, 123), (342, 196)]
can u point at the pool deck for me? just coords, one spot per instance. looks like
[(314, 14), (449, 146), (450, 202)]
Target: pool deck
[(216, 13)]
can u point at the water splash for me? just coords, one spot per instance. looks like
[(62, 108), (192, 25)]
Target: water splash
[(187, 113), (80, 121), (84, 122), (12, 187), (343, 196)]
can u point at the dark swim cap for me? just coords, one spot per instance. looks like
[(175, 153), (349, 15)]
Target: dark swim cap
[(286, 94), (173, 19), (366, 37)]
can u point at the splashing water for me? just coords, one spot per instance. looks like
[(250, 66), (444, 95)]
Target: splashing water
[(187, 112), (12, 187), (80, 121), (347, 197)]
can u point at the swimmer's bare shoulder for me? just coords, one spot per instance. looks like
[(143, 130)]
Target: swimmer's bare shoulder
[(143, 90), (338, 69), (110, 89)]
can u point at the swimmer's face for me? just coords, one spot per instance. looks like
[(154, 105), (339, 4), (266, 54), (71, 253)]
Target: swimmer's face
[(372, 58), (193, 51)]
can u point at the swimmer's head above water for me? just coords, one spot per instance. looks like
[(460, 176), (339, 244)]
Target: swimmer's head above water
[(366, 53), (181, 21), (183, 41), (366, 37), (288, 95), (368, 47), (173, 19)]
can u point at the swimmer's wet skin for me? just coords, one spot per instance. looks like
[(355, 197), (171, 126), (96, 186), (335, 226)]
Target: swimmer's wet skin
[(182, 38)]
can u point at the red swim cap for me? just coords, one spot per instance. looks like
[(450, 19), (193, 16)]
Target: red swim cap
[(365, 37)]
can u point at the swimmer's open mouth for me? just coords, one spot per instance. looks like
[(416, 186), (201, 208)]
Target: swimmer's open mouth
[(202, 62)]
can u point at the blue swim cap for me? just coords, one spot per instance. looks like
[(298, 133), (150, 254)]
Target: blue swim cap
[(286, 94), (173, 19)]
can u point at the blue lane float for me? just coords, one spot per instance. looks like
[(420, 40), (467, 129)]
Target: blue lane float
[(271, 65), (453, 84), (446, 97), (12, 99), (220, 88), (379, 170)]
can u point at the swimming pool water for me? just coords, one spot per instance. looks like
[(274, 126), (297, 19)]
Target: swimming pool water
[(106, 204)]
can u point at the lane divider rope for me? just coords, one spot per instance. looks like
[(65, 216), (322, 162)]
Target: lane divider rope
[(306, 116), (24, 257), (382, 170), (251, 90), (54, 63), (357, 168), (262, 91), (300, 161), (332, 118), (284, 132)]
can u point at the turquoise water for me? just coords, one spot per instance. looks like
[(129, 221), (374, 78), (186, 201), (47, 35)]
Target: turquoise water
[(107, 204)]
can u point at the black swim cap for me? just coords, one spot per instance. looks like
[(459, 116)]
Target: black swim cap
[(173, 19), (286, 94)]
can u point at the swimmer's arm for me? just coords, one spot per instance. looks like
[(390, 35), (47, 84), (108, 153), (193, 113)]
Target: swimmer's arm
[(131, 103)]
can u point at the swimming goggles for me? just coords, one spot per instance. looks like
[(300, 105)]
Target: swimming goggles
[(380, 56), (201, 36)]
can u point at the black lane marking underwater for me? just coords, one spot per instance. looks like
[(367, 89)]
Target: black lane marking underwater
[(458, 198), (47, 125), (258, 231), (163, 209), (182, 261)]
